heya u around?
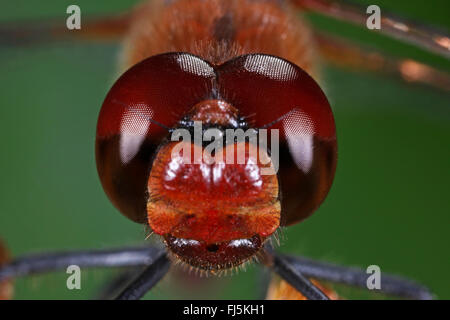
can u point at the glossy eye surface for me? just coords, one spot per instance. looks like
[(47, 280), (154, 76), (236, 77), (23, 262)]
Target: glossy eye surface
[(159, 90), (267, 91)]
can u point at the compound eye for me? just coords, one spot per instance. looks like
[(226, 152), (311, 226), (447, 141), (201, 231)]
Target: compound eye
[(271, 92), (146, 100)]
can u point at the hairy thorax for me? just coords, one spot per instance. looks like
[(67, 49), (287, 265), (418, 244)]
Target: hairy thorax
[(218, 30)]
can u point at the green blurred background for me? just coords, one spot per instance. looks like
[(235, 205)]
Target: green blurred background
[(389, 205)]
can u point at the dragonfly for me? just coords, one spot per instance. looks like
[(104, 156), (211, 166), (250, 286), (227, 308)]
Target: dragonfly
[(147, 30)]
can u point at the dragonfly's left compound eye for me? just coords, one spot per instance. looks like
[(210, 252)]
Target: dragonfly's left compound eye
[(150, 96)]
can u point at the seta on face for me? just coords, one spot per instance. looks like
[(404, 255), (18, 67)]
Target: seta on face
[(215, 215)]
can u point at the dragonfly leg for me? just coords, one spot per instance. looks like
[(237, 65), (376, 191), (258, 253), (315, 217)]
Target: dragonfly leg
[(150, 276), (48, 262), (390, 284)]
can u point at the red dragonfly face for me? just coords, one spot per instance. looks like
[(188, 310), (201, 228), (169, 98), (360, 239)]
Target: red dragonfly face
[(215, 216)]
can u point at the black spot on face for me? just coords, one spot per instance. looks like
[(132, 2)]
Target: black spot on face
[(223, 28)]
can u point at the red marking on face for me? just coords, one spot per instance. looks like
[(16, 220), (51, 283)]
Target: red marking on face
[(217, 202), (211, 208)]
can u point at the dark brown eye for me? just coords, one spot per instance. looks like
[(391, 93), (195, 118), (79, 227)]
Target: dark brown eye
[(267, 89), (154, 94)]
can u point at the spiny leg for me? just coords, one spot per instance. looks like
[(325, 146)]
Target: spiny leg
[(403, 29), (392, 285), (286, 270), (151, 275), (40, 263)]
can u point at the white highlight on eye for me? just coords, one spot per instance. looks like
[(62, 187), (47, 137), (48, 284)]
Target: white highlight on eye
[(134, 126), (195, 65), (271, 67), (129, 146), (299, 130)]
